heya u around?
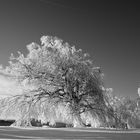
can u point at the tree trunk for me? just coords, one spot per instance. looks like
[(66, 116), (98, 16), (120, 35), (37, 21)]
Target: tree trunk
[(77, 121)]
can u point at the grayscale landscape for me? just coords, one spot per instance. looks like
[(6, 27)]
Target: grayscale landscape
[(69, 69)]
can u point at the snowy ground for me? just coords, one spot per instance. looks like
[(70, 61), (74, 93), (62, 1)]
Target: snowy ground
[(67, 133)]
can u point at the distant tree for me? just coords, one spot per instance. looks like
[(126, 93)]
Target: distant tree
[(139, 92), (137, 110), (127, 111), (59, 83)]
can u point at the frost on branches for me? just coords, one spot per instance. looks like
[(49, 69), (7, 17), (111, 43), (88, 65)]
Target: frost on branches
[(59, 83)]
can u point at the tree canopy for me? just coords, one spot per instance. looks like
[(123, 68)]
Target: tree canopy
[(59, 83)]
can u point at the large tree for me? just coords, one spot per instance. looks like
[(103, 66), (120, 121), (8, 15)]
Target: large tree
[(59, 83)]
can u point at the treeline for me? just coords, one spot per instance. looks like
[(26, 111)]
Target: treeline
[(127, 109)]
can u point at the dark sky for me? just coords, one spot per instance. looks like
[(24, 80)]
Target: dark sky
[(108, 30)]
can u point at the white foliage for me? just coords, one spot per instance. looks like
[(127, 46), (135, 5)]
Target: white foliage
[(48, 68)]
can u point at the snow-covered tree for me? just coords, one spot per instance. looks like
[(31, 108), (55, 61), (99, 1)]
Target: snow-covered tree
[(59, 83)]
